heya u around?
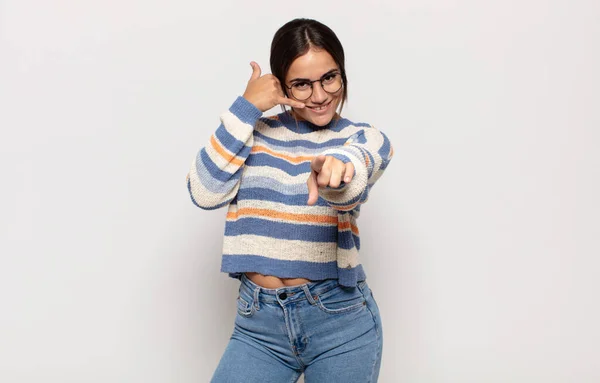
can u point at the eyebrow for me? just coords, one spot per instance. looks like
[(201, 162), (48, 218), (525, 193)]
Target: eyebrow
[(306, 79)]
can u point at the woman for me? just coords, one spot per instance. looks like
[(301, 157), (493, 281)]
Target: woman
[(294, 184)]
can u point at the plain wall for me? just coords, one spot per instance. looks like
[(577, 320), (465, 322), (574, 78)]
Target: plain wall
[(481, 242)]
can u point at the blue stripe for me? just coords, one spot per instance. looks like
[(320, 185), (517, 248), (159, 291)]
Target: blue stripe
[(360, 138), (345, 240), (384, 152), (229, 141), (235, 265), (299, 143), (340, 157), (349, 277), (221, 204), (264, 159), (347, 202), (273, 184), (245, 111), (215, 186), (281, 230), (205, 162), (274, 196), (231, 263)]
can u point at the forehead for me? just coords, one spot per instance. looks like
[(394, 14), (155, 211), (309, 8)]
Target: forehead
[(312, 65)]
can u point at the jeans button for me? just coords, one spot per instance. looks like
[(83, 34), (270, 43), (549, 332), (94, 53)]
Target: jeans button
[(282, 296)]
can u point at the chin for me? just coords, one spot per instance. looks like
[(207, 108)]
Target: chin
[(320, 120)]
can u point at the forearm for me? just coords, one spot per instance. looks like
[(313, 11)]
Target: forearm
[(215, 173)]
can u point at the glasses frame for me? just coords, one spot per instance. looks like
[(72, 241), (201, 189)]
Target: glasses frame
[(312, 88)]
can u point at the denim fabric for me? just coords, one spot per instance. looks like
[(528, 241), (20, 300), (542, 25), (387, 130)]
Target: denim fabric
[(328, 332)]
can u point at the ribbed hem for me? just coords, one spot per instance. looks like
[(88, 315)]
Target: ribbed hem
[(235, 265), (245, 111)]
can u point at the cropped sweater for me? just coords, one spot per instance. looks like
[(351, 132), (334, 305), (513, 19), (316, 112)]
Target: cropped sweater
[(258, 167)]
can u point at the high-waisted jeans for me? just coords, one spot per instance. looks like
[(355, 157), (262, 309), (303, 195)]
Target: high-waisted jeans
[(328, 332)]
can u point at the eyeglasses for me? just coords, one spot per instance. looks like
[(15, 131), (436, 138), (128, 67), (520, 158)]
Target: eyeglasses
[(303, 89)]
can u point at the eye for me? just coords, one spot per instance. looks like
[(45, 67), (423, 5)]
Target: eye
[(329, 78), (301, 85)]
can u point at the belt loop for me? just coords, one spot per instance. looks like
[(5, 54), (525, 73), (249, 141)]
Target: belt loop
[(309, 296), (256, 292)]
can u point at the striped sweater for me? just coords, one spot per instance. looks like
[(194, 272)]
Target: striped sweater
[(258, 167)]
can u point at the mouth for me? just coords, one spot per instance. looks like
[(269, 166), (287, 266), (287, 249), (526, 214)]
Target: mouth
[(321, 109)]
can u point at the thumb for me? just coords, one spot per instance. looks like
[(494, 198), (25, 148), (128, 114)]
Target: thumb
[(313, 189), (255, 71)]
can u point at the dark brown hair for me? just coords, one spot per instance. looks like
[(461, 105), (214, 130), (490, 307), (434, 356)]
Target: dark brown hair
[(297, 37)]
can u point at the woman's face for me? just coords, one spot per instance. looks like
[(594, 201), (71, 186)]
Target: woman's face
[(321, 106)]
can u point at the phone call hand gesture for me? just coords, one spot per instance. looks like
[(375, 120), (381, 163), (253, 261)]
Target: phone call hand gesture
[(265, 92)]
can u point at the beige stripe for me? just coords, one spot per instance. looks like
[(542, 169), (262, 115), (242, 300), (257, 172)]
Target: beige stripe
[(288, 250), (276, 174), (280, 207), (347, 258), (238, 129), (318, 136)]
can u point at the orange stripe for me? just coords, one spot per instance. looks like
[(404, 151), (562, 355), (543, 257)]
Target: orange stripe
[(296, 160), (228, 157), (287, 216), (348, 225)]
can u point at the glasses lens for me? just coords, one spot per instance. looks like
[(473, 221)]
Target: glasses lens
[(302, 93), (332, 84)]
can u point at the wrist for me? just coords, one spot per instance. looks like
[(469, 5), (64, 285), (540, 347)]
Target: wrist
[(254, 102)]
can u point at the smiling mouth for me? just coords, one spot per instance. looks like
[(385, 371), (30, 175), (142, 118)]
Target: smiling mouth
[(320, 107)]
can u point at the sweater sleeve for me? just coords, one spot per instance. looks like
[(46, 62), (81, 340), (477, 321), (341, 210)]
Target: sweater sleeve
[(214, 178), (370, 151)]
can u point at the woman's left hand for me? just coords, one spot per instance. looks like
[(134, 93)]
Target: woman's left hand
[(327, 171)]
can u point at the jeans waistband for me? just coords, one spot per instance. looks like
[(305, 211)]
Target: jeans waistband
[(292, 293)]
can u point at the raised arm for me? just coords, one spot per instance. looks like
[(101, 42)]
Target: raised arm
[(364, 156), (215, 175)]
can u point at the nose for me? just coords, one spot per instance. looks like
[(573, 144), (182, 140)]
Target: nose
[(319, 95)]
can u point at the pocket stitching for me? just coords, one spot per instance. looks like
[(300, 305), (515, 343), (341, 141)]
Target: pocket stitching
[(247, 311), (341, 310)]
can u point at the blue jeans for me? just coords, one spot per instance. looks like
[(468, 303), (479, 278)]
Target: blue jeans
[(328, 332)]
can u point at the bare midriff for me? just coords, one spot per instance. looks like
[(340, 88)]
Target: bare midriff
[(272, 282)]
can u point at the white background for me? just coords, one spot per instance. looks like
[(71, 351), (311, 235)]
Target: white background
[(481, 241)]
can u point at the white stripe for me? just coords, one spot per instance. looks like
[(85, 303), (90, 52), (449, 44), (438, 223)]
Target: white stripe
[(238, 129), (287, 250), (347, 258), (276, 174), (318, 136)]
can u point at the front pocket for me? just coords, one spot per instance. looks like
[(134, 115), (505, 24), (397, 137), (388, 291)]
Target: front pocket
[(244, 308), (341, 300)]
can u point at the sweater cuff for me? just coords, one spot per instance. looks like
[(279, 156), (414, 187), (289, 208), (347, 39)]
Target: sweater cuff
[(245, 111)]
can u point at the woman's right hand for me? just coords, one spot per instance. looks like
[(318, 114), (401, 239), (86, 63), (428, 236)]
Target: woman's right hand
[(265, 92)]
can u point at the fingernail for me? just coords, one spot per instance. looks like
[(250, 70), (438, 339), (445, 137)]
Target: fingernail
[(347, 179)]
